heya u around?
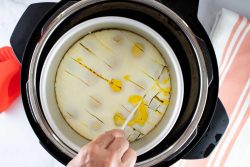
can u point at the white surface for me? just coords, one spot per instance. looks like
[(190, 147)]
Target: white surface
[(240, 147), (18, 144), (209, 8)]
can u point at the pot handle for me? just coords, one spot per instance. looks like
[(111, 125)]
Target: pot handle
[(30, 20), (212, 136), (26, 25)]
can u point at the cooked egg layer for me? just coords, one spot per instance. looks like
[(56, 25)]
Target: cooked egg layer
[(104, 75)]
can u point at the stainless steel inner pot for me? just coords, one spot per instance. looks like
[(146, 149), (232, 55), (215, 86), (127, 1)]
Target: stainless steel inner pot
[(189, 132)]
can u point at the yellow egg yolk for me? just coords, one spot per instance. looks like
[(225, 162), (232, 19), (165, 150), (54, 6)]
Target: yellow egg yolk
[(116, 85), (140, 116)]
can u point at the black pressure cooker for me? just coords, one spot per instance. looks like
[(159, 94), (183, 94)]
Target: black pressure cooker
[(202, 120)]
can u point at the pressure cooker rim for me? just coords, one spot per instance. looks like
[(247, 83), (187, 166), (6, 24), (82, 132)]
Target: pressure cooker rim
[(32, 76)]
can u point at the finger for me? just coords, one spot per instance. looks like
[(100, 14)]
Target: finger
[(119, 146), (107, 138), (129, 157), (117, 132)]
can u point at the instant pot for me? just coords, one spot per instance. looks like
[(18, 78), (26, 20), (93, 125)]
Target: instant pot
[(202, 119)]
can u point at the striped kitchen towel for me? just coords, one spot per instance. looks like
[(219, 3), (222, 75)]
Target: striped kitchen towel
[(231, 40)]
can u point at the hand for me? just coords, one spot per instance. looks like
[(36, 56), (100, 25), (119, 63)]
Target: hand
[(110, 149)]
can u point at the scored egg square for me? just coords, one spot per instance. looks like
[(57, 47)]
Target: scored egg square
[(104, 75)]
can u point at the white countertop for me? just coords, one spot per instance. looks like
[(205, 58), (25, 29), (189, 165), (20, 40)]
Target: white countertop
[(18, 144)]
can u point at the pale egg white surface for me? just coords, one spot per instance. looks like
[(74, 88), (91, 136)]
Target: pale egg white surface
[(104, 75)]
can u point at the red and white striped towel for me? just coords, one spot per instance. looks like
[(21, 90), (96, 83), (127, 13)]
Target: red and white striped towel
[(231, 40)]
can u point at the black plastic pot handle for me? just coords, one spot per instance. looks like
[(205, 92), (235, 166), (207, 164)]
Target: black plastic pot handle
[(31, 18), (26, 25), (212, 136)]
